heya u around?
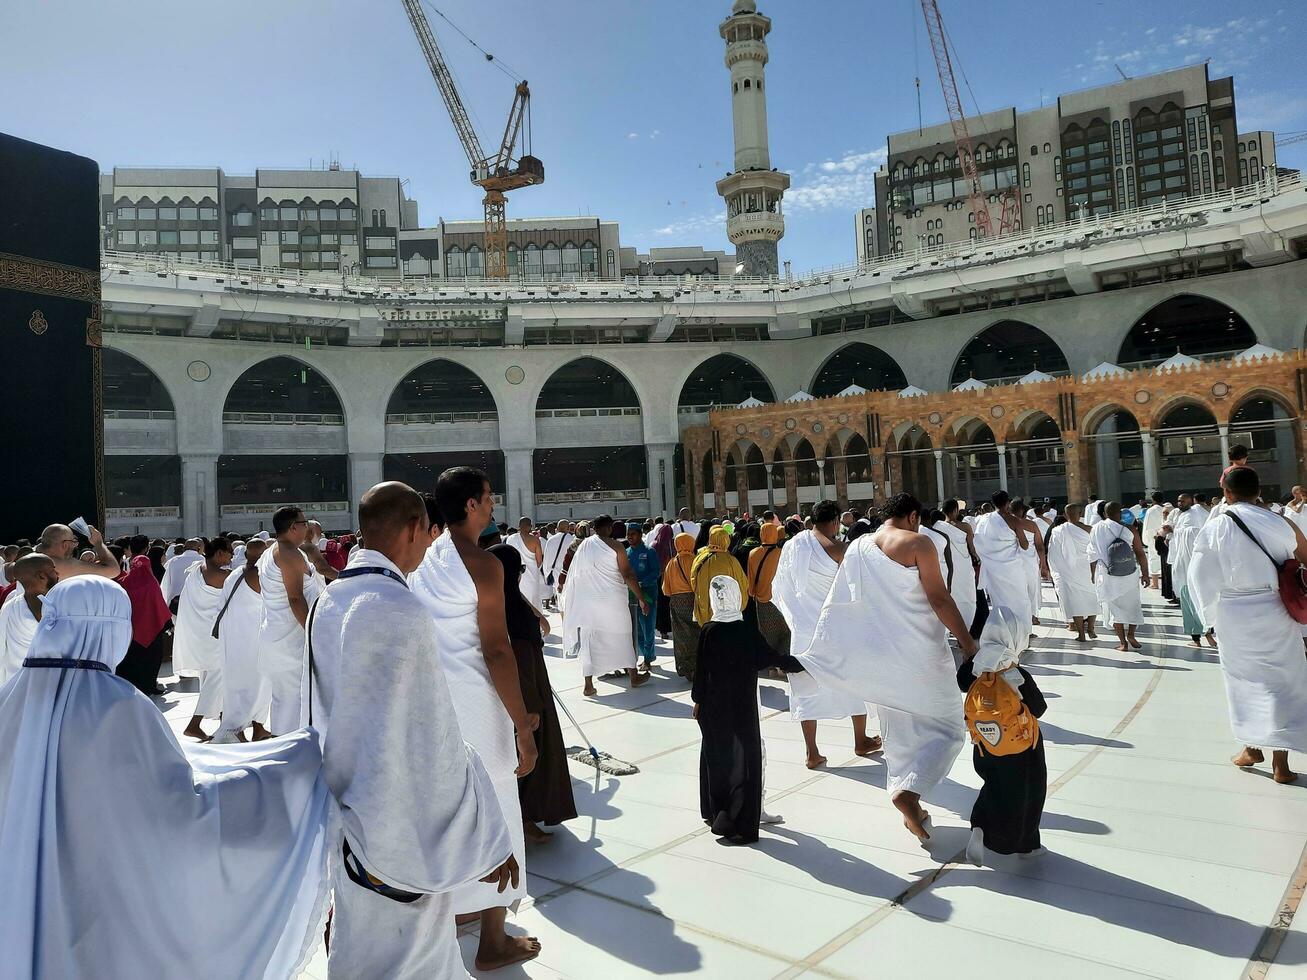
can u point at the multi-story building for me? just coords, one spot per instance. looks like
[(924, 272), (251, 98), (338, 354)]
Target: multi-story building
[(864, 234), (1135, 143), (328, 219)]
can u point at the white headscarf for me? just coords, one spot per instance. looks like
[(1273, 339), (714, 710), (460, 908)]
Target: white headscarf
[(103, 817), (1000, 645), (725, 600)]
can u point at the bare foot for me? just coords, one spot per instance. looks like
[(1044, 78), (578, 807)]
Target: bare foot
[(512, 949), (1035, 620), (866, 747), (1248, 757), (193, 730), (1284, 775), (590, 691), (261, 733), (1123, 647), (534, 834), (1093, 635), (816, 761), (914, 817), (1136, 644), (1082, 638), (1280, 770), (1211, 641), (641, 679), (1196, 643), (1071, 627)]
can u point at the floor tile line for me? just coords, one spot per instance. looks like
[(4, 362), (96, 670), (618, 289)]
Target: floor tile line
[(921, 884), (1273, 938)]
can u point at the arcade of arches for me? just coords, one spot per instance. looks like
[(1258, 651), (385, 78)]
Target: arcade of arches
[(1117, 437)]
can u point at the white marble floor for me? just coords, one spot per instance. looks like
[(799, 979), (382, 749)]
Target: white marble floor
[(1164, 861)]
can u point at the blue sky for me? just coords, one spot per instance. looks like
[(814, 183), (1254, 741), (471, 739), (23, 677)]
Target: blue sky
[(631, 103)]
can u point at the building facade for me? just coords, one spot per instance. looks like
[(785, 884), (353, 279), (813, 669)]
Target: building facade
[(1136, 143), (229, 392)]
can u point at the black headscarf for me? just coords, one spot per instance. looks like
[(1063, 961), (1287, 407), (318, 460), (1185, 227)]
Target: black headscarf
[(523, 624)]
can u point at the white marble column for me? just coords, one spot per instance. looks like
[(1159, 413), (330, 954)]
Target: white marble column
[(1002, 466), (364, 474), (821, 479), (519, 486), (939, 473), (1151, 470), (200, 494), (1224, 432), (661, 474)]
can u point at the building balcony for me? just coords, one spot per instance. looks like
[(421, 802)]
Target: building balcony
[(567, 427), (438, 431), (140, 433)]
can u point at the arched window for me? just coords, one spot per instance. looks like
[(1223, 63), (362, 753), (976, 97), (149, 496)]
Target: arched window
[(455, 262), (374, 217), (383, 217), (553, 259), (612, 264), (1006, 351), (747, 84), (571, 258), (534, 266), (589, 259), (476, 262), (1034, 150)]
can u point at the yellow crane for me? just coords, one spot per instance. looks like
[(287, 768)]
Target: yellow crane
[(507, 169)]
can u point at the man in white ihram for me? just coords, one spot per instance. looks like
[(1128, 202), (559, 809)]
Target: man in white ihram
[(1118, 566), (419, 815), (882, 636), (1002, 545), (1234, 578)]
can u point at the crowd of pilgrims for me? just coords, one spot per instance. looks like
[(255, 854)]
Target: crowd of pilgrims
[(383, 738)]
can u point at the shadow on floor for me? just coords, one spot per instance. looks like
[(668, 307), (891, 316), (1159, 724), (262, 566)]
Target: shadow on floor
[(1066, 736)]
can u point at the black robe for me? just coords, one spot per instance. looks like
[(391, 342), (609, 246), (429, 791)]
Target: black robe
[(546, 791), (730, 759), (1011, 800)]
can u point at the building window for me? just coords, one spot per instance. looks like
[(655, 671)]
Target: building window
[(242, 218), (381, 262), (476, 262), (327, 214), (126, 237), (330, 257), (167, 238), (209, 237), (383, 218), (208, 256), (378, 242), (288, 258), (612, 264), (1025, 175), (290, 214), (148, 238), (533, 260), (190, 237), (167, 214), (268, 214), (290, 238), (348, 214), (589, 259), (309, 214), (348, 238), (239, 244), (374, 217), (126, 214), (1252, 146), (145, 214)]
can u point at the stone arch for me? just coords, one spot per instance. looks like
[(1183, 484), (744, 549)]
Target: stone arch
[(441, 385), (1005, 351), (130, 385), (724, 376), (1189, 323), (301, 386), (1113, 452), (587, 382), (861, 364), (1277, 398), (1266, 423)]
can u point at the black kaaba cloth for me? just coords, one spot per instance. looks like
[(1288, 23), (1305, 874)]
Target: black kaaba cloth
[(51, 439)]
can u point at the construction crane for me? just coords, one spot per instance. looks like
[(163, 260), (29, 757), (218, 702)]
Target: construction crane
[(1288, 139), (506, 170), (1011, 214)]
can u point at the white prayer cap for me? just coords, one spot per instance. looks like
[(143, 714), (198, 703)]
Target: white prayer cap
[(84, 618), (265, 536), (724, 597)]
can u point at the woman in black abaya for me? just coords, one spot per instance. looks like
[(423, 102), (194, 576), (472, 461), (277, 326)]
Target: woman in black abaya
[(546, 791), (725, 695)]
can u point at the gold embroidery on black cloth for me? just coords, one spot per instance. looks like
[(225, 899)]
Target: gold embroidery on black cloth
[(94, 335), (48, 278), (36, 323)]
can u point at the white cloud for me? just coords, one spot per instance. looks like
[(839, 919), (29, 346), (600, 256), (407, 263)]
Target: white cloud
[(845, 183), (633, 136), (694, 225)]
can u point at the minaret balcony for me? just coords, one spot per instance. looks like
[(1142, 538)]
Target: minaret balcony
[(752, 51), (755, 226)]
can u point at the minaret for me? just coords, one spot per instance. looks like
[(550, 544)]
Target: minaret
[(753, 192)]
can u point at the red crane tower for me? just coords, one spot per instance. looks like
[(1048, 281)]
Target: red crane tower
[(1010, 218)]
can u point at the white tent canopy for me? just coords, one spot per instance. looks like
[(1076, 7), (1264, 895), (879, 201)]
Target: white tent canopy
[(1256, 351), (852, 390), (1178, 360), (750, 402), (1035, 377), (800, 396), (912, 391), (1105, 370), (971, 384)]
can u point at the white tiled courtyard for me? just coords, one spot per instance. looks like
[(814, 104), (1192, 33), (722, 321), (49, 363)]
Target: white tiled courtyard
[(1164, 861)]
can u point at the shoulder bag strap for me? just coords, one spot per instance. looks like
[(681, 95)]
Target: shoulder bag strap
[(223, 611), (308, 633), (557, 556), (1244, 528), (948, 555)]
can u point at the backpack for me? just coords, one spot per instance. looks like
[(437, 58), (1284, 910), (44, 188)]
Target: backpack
[(1121, 558), (997, 718)]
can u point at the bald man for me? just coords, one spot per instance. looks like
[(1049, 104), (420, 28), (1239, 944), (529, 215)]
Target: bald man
[(58, 542), (37, 575)]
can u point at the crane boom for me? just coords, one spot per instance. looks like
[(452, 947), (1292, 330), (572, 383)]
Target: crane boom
[(1011, 214), (496, 175), (445, 82)]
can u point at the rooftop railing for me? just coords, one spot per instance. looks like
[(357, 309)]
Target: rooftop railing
[(439, 418), (281, 418)]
